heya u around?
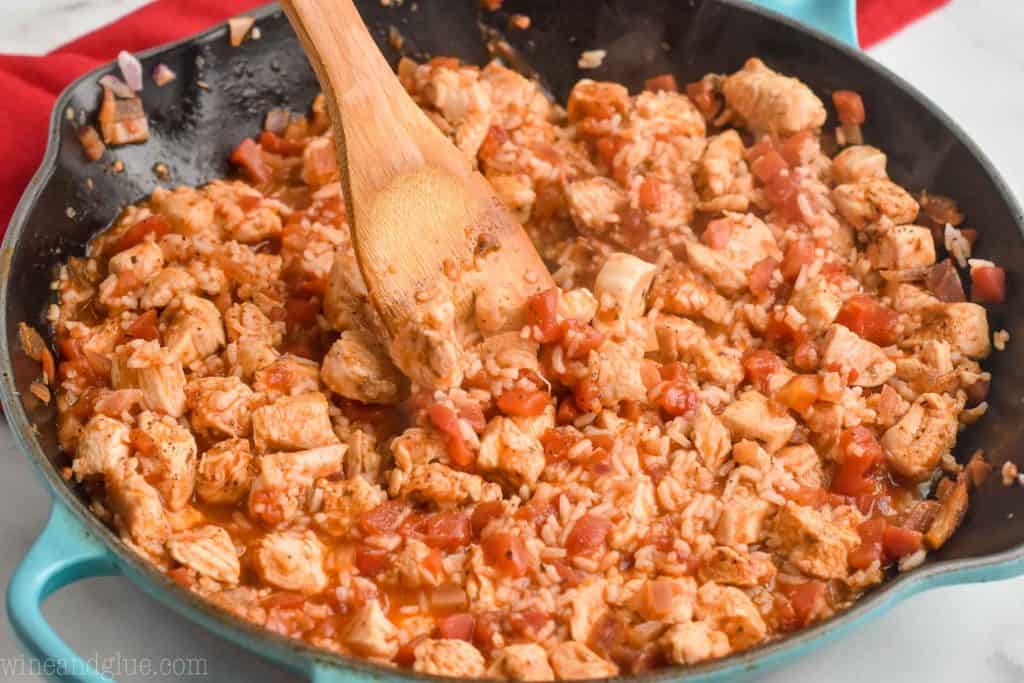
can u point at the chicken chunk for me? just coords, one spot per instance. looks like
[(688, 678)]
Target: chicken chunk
[(247, 320), (693, 642), (225, 472), (209, 551), (866, 202), (964, 326), (588, 605), (444, 486), (814, 544), (615, 368), (194, 329), (169, 284), (858, 162), (130, 270), (220, 406), (671, 600), (729, 610), (680, 339), (168, 459), (358, 367), (102, 447), (803, 463), (370, 633), (711, 438), (249, 355), (523, 662), (728, 269), (516, 456), (293, 423), (865, 363), (595, 205), (287, 375), (723, 179), (448, 657), (742, 520), (344, 501), (284, 480), (575, 661), (902, 247), (772, 103), (291, 561), (817, 301), (915, 445), (733, 567), (144, 365), (346, 303), (411, 567), (139, 514), (751, 417), (681, 290)]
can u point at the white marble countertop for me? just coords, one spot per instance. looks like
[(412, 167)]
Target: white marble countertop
[(966, 57)]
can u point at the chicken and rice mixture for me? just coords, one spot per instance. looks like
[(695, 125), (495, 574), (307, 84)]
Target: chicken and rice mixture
[(732, 417)]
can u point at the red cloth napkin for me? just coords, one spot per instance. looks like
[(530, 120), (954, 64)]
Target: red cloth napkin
[(31, 84)]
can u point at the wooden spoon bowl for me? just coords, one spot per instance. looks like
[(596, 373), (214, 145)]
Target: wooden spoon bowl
[(441, 256)]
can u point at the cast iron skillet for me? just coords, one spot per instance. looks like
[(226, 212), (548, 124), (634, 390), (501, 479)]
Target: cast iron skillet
[(194, 129)]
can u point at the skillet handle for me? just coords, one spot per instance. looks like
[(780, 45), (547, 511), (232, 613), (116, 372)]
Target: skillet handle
[(837, 18), (63, 554)]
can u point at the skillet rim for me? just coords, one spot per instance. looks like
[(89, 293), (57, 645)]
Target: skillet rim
[(299, 656)]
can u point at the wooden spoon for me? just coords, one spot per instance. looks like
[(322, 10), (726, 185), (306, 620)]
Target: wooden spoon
[(440, 254)]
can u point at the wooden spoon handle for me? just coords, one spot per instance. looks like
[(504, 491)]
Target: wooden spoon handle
[(383, 130)]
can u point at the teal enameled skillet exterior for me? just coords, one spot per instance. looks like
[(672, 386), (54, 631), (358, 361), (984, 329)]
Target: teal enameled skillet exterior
[(193, 130)]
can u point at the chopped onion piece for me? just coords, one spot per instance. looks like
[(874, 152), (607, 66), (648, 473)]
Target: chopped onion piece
[(162, 75), (131, 70), (958, 246), (117, 86), (277, 120), (91, 142), (238, 27)]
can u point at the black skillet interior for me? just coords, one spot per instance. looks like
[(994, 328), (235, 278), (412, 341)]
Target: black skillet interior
[(195, 127)]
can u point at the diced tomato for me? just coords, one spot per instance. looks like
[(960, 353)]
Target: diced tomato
[(768, 166), (797, 148), (567, 411), (988, 285), (898, 542), (666, 82), (649, 194), (718, 233), (588, 534), (860, 451), (485, 513), (155, 225), (674, 372), (300, 311), (779, 331), (492, 144), (587, 395), (141, 442), (144, 327), (631, 410), (406, 655), (523, 402), (870, 319), (870, 548), (249, 156), (782, 192), (371, 562), (488, 626), (578, 340), (805, 357), (634, 227), (807, 598), (542, 313), (808, 495), (536, 511), (703, 95), (798, 254), (849, 106), (557, 442), (434, 562), (608, 148), (799, 393), (459, 626), (761, 276), (181, 576), (278, 145), (506, 553), (447, 422), (383, 519), (759, 365), (650, 373), (677, 399), (448, 530)]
